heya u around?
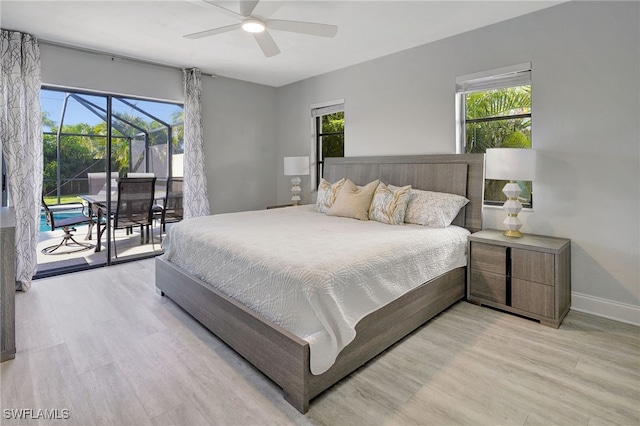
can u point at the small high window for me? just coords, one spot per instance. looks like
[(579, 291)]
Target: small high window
[(494, 111), (328, 123)]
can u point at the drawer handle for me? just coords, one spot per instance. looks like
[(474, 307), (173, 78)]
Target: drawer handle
[(508, 277)]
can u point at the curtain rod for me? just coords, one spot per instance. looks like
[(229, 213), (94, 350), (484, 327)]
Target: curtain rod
[(116, 57)]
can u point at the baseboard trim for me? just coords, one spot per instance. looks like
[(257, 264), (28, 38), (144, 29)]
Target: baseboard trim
[(606, 308)]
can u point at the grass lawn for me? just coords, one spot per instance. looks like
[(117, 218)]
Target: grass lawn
[(53, 200)]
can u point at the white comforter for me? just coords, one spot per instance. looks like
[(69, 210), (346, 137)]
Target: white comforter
[(312, 274)]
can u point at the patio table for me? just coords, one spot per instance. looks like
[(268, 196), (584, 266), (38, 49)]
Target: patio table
[(97, 204)]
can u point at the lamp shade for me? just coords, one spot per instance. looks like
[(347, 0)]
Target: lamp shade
[(296, 166), (510, 164)]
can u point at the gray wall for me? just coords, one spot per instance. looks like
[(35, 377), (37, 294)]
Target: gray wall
[(239, 118), (239, 128), (585, 105), (100, 72)]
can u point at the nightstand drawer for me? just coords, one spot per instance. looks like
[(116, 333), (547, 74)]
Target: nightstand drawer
[(489, 286), (532, 297), (488, 257), (533, 266)]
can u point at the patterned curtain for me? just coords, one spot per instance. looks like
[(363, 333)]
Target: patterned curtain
[(196, 197), (21, 140)]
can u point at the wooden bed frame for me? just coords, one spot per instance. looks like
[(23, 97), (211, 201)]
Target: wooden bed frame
[(284, 357)]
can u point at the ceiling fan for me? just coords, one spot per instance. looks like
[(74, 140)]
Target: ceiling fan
[(259, 24)]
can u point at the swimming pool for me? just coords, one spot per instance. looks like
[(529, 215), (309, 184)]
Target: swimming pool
[(58, 215)]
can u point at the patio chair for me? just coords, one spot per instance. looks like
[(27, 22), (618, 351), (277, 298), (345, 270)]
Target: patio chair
[(134, 207), (67, 224), (157, 209), (98, 182), (172, 210)]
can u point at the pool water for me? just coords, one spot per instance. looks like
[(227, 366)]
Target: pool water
[(57, 215)]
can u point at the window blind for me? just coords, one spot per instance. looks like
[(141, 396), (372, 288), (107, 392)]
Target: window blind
[(329, 109), (518, 75)]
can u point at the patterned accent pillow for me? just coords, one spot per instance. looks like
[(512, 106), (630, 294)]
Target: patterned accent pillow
[(354, 201), (389, 206), (432, 209), (327, 194)]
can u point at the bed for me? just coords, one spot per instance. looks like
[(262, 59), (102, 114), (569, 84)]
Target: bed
[(284, 356)]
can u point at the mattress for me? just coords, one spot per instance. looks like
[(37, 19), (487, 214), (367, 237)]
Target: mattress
[(312, 274)]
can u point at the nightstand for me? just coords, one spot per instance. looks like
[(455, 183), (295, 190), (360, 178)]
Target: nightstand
[(529, 276)]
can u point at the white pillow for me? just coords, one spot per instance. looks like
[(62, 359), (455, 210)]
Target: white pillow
[(389, 206), (432, 209), (327, 194)]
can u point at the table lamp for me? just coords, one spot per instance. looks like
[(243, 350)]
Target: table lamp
[(511, 164), (296, 167)]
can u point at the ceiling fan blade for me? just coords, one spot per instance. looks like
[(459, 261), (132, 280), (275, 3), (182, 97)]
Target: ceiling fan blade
[(247, 6), (311, 28), (213, 31), (267, 44), (265, 9), (221, 9)]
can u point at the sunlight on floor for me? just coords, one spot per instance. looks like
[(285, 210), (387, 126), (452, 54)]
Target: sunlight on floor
[(127, 245)]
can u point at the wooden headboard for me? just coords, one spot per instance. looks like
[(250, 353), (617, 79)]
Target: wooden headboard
[(461, 174)]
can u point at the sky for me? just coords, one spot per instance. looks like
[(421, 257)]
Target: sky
[(52, 102)]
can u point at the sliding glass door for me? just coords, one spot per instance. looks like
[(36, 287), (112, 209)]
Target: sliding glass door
[(99, 152)]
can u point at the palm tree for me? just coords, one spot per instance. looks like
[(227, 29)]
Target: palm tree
[(495, 119), (499, 118)]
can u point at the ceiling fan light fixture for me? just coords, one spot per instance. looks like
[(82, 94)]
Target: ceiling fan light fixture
[(253, 25)]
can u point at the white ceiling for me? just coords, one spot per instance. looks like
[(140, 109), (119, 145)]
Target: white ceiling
[(153, 30)]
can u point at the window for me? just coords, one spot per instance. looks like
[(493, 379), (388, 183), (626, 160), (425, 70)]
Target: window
[(328, 123), (494, 111)]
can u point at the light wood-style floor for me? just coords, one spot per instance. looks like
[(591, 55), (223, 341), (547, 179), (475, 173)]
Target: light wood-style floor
[(103, 345)]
